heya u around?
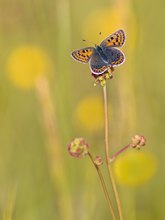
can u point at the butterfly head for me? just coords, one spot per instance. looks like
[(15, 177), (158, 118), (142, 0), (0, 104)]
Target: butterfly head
[(98, 48)]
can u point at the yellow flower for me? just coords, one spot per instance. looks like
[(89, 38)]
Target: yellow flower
[(90, 113), (109, 20), (134, 168), (25, 64)]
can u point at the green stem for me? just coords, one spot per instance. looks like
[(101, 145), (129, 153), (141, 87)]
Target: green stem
[(107, 154), (104, 187)]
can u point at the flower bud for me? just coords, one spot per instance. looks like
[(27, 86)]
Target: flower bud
[(98, 160), (138, 141), (78, 148), (101, 79)]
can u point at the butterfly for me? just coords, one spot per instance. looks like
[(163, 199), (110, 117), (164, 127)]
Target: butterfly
[(104, 55)]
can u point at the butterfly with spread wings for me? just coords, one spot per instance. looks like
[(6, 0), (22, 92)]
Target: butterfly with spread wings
[(104, 55)]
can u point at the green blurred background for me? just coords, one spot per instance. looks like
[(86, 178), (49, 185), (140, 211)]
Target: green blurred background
[(44, 106)]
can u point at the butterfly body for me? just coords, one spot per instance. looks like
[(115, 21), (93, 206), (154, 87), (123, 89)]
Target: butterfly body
[(100, 50), (104, 55)]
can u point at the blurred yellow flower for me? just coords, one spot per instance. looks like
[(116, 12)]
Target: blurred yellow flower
[(90, 113), (134, 168), (109, 20), (25, 64)]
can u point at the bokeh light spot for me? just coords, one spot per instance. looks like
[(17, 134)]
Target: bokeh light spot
[(134, 168), (25, 64), (90, 113)]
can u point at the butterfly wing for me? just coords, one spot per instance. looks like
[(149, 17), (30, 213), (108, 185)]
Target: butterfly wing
[(97, 64), (115, 56), (116, 39), (83, 55)]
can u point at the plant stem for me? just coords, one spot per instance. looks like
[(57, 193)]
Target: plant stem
[(107, 154), (55, 154), (8, 211), (104, 187), (112, 158)]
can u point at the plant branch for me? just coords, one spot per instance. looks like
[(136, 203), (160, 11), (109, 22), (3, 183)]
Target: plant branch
[(112, 158), (104, 187), (107, 155)]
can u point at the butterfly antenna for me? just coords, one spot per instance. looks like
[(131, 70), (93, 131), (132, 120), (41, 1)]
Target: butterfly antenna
[(88, 42), (92, 42), (98, 38)]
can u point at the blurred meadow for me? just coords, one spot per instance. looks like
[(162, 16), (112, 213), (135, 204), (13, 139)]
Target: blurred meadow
[(47, 99)]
